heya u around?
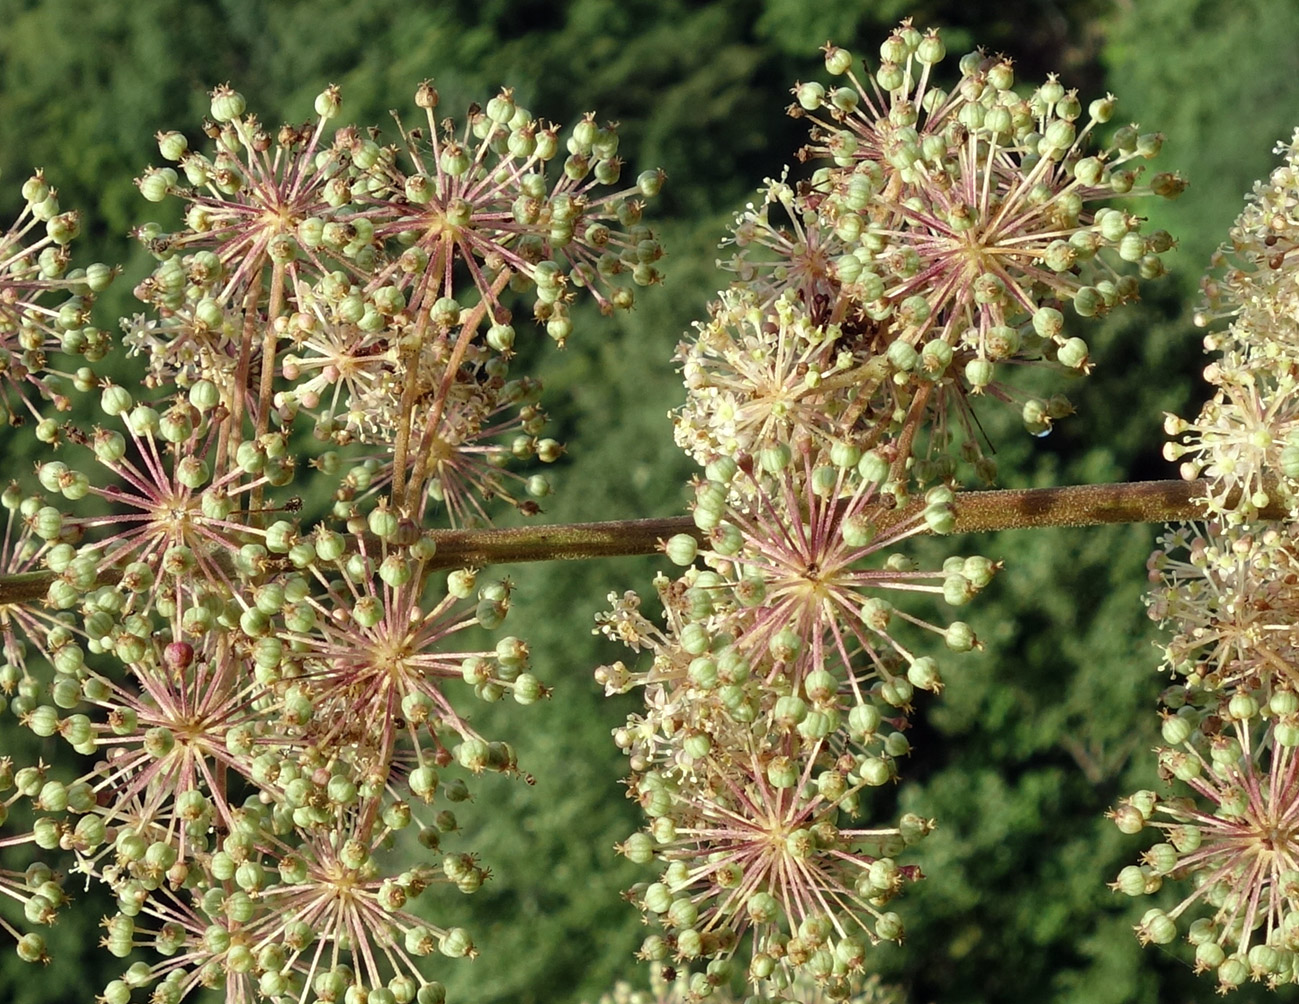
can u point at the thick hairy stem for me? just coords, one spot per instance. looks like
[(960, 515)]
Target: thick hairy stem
[(976, 512)]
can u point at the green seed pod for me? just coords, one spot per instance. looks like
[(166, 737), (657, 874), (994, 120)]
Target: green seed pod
[(1048, 322), (456, 943), (157, 183), (460, 583), (638, 848), (825, 479), (1132, 247), (1133, 881), (423, 783), (978, 374), (658, 898), (960, 637), (876, 614), (51, 474), (1073, 353), (923, 674), (863, 720), (903, 356), (1129, 818), (788, 711), (1162, 858), (280, 536), (226, 104), (47, 523), (1158, 927), (774, 459), (889, 927), (115, 400), (682, 914), (810, 96), (702, 673), (1242, 707), (818, 725), (821, 687), (785, 645), (783, 772), (697, 745), (1284, 702), (875, 771), (695, 638), (1035, 418), (395, 570), (472, 754), (193, 472), (254, 623), (940, 518)]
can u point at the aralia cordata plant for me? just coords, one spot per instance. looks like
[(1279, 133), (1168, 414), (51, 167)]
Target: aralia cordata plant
[(266, 702)]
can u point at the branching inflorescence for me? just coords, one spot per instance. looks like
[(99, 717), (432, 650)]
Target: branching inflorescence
[(1227, 589), (267, 705), (937, 240)]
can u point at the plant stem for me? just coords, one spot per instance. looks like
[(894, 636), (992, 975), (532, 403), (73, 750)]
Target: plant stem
[(976, 512)]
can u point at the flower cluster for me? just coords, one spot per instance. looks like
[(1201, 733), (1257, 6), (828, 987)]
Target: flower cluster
[(45, 309), (940, 234), (270, 702), (777, 699), (345, 264), (1228, 592), (1230, 725), (1236, 836), (939, 239), (684, 989), (1245, 441)]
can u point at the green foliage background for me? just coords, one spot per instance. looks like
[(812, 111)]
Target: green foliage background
[(1035, 737)]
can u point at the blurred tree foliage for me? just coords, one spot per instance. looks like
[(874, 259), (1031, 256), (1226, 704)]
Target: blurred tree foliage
[(1033, 739)]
